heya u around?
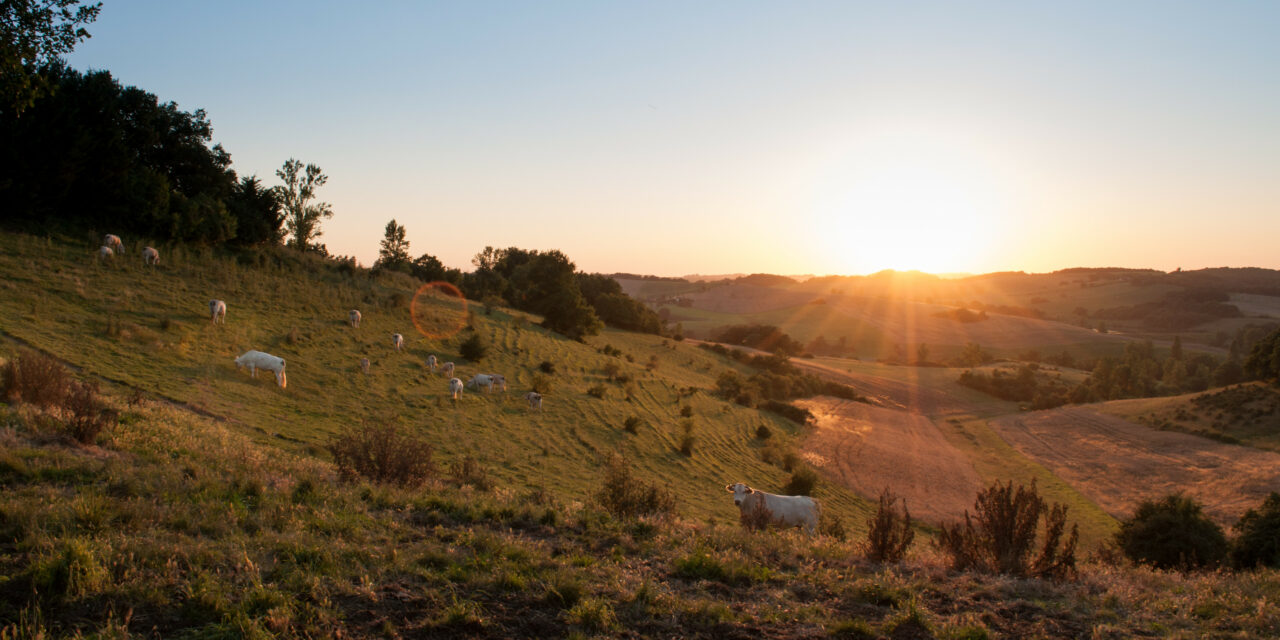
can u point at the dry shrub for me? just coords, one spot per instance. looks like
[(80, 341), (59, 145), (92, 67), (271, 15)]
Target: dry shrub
[(1001, 535), (468, 471), (802, 483), (755, 518), (632, 425), (597, 391), (35, 378), (542, 384), (889, 533), (625, 496), (85, 414), (383, 453)]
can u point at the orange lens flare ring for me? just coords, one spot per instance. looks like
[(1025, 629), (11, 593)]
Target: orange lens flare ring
[(436, 320)]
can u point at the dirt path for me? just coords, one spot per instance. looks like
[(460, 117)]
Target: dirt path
[(1117, 463), (867, 448)]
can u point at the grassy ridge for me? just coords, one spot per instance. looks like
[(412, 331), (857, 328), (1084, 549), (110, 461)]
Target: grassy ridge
[(147, 329)]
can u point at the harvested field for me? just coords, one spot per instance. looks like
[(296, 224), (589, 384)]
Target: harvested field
[(1117, 463), (866, 449), (925, 390)]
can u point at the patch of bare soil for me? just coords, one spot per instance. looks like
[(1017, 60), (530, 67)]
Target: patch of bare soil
[(868, 448), (1117, 463)]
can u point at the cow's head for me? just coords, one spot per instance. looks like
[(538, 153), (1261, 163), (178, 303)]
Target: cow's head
[(739, 491)]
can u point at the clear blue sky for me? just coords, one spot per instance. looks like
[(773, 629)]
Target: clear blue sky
[(717, 137)]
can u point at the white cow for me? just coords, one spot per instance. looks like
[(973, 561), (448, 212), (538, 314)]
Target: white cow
[(534, 399), (481, 380), (431, 362), (218, 311), (397, 340), (364, 365), (113, 241), (455, 387), (792, 511), (447, 369), (258, 360), (150, 256), (353, 317), (105, 253), (498, 381)]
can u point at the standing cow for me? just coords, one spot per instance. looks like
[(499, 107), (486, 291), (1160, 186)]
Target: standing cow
[(218, 312), (258, 360), (150, 256), (455, 387), (447, 369), (791, 511), (534, 399), (113, 241), (397, 341), (481, 380), (431, 362), (353, 316)]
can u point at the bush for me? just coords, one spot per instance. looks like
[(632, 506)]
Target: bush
[(1258, 542), (889, 534), (686, 411), (85, 414), (597, 391), (1172, 533), (627, 497), (468, 471), (1001, 535), (763, 432), (788, 411), (632, 425), (803, 481), (473, 348), (547, 366), (35, 378), (382, 453), (687, 441), (757, 518)]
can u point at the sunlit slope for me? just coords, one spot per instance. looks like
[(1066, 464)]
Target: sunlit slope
[(149, 329)]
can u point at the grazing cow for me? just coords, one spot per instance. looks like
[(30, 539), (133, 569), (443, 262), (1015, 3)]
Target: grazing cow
[(447, 369), (455, 387), (481, 380), (534, 399), (258, 360), (218, 311), (353, 317), (499, 381), (113, 241), (150, 256), (105, 253), (431, 362), (397, 340), (792, 511), (364, 365)]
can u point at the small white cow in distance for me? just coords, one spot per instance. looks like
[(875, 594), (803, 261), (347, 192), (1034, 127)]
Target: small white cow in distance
[(791, 511), (217, 312), (481, 380), (150, 256), (105, 253), (353, 317), (113, 241), (364, 365), (534, 399), (431, 362), (258, 360), (455, 387), (447, 369), (498, 382), (398, 341)]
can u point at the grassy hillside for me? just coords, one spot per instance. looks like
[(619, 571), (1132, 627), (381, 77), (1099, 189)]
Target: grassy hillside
[(148, 329)]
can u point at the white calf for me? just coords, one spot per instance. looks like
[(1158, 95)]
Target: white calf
[(258, 360), (105, 253), (364, 365), (534, 399), (481, 380), (455, 387), (113, 241), (150, 256), (398, 341), (791, 511), (218, 311), (447, 369), (498, 381), (431, 362), (353, 317)]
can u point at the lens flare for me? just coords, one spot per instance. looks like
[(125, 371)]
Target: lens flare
[(434, 315)]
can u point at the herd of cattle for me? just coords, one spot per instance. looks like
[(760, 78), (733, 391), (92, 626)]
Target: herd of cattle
[(790, 511)]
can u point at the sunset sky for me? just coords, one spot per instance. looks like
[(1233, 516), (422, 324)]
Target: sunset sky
[(720, 137)]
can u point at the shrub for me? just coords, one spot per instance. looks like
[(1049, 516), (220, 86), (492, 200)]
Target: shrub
[(686, 444), (625, 496), (597, 391), (468, 471), (491, 302), (763, 432), (541, 383), (632, 424), (34, 378), (686, 411), (473, 348), (1172, 533), (1258, 542), (889, 533), (831, 525), (546, 366), (382, 453), (85, 414), (802, 483), (1001, 535), (788, 411)]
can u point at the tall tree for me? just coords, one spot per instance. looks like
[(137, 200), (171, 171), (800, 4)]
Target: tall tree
[(257, 212), (393, 253), (302, 218), (33, 33)]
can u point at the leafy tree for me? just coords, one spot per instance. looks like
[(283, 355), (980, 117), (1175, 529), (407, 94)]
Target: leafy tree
[(1258, 542), (1264, 358), (302, 219), (429, 268), (33, 34), (473, 348), (393, 253), (1175, 351), (1172, 533), (256, 211)]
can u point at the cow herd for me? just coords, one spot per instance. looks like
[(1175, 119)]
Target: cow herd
[(788, 511)]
